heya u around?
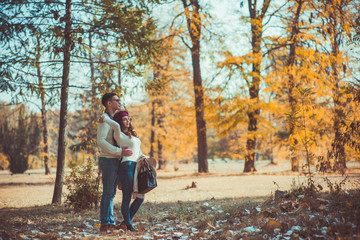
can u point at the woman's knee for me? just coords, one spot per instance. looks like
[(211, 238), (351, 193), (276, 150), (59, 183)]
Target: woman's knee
[(108, 195), (126, 197)]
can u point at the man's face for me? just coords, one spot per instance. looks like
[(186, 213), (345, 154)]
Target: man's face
[(114, 103)]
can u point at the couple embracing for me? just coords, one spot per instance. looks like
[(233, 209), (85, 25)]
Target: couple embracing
[(119, 156)]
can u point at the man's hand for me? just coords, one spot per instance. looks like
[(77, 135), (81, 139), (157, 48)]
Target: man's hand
[(101, 119), (125, 152)]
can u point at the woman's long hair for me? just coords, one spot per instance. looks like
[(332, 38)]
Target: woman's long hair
[(130, 131), (118, 118)]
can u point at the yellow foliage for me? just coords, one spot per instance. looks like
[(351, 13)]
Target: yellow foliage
[(4, 162)]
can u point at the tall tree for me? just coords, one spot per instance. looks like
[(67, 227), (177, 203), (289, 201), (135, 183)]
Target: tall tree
[(252, 78), (45, 133), (194, 24), (257, 16), (291, 64), (157, 89), (64, 106), (338, 20)]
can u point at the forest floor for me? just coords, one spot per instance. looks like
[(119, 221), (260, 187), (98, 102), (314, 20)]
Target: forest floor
[(222, 204)]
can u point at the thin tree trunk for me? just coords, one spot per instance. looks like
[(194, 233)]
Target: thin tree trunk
[(63, 109), (92, 78), (152, 134), (160, 125), (294, 149), (194, 27), (271, 151), (160, 155), (338, 145), (154, 104), (43, 112), (119, 72)]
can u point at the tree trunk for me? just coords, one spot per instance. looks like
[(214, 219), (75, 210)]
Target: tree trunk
[(251, 142), (63, 109), (338, 145), (43, 112), (200, 118), (194, 27), (254, 109), (160, 125), (161, 160), (152, 134), (294, 148), (92, 78), (271, 150), (119, 72)]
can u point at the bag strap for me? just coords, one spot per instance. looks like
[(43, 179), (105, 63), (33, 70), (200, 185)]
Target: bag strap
[(145, 167)]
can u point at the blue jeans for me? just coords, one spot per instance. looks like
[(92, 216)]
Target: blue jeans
[(126, 175), (109, 169)]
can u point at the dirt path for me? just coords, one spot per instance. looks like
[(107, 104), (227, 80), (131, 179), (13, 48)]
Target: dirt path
[(225, 180)]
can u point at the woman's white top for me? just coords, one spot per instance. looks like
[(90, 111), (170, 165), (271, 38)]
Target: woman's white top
[(124, 140)]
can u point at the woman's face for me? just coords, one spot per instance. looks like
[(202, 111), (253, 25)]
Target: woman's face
[(126, 121)]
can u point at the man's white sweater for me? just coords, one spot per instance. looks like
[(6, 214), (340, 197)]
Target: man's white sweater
[(105, 141)]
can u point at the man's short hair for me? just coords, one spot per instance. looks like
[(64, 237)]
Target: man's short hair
[(106, 97)]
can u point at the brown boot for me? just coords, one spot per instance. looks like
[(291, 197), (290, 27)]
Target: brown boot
[(131, 228), (120, 226), (105, 228)]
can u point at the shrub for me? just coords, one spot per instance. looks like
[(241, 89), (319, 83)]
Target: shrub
[(19, 138), (83, 185)]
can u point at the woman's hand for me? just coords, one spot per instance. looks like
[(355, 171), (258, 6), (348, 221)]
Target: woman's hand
[(153, 162)]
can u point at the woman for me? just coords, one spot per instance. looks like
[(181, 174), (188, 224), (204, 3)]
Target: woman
[(125, 136)]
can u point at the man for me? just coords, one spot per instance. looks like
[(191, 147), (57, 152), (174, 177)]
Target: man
[(109, 161)]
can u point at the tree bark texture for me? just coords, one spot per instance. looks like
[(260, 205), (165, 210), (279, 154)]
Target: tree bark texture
[(254, 110), (45, 133), (152, 133), (194, 26), (92, 79), (339, 115), (160, 126), (293, 140), (157, 91), (63, 109)]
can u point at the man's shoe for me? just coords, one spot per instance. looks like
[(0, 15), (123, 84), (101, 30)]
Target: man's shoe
[(131, 228)]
